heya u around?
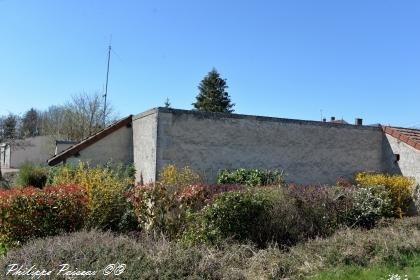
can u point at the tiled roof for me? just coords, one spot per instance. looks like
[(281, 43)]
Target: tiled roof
[(75, 149), (410, 136)]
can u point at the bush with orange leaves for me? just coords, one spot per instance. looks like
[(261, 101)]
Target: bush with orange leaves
[(164, 206), (31, 212)]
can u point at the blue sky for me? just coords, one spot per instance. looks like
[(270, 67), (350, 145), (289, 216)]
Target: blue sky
[(358, 58)]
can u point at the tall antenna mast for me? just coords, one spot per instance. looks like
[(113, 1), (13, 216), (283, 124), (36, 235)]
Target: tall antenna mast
[(106, 84)]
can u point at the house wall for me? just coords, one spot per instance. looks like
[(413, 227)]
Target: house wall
[(409, 163), (59, 147), (35, 150), (309, 152), (144, 145), (116, 147), (5, 156)]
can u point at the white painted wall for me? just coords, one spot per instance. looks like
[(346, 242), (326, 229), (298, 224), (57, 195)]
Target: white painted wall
[(4, 156), (409, 163)]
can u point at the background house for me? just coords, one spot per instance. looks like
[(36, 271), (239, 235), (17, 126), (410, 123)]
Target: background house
[(36, 150), (4, 155)]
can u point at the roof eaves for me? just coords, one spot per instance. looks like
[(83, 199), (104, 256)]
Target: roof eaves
[(407, 135)]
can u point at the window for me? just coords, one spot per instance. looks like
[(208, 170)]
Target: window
[(397, 158)]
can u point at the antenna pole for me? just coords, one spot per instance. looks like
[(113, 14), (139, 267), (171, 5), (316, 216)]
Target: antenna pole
[(106, 84)]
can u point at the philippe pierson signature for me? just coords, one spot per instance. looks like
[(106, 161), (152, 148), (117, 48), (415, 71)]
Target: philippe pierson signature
[(64, 270)]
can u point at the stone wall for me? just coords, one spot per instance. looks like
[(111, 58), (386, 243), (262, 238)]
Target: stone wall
[(309, 152)]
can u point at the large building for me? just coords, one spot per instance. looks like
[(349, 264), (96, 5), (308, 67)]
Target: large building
[(309, 152)]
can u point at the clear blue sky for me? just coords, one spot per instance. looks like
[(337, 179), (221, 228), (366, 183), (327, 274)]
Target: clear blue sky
[(358, 58)]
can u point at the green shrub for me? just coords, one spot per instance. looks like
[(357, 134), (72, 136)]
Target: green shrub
[(287, 215), (237, 215), (250, 177), (282, 222), (369, 205), (31, 176), (106, 189), (3, 249), (284, 216), (299, 213), (318, 210), (399, 189), (29, 212)]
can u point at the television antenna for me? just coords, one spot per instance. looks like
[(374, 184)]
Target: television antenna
[(106, 83)]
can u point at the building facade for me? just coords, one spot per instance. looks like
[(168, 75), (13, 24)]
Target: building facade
[(309, 152)]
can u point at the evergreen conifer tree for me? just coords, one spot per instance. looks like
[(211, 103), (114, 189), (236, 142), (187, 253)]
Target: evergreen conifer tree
[(167, 103), (213, 96), (30, 123)]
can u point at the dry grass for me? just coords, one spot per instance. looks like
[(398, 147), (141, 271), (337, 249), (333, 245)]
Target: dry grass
[(157, 258)]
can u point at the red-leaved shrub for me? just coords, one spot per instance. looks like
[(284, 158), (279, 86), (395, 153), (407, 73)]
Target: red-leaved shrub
[(29, 212), (197, 196), (163, 208)]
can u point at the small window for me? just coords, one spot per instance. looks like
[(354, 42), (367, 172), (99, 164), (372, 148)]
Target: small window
[(397, 157)]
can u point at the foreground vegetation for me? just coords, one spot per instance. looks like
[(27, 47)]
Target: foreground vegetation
[(389, 248), (249, 226)]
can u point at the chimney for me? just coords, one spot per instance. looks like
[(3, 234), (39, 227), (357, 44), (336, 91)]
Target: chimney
[(332, 119), (358, 121)]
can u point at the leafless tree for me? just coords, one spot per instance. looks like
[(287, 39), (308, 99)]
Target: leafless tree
[(79, 118)]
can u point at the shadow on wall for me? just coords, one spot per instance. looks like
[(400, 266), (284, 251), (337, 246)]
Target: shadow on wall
[(390, 160)]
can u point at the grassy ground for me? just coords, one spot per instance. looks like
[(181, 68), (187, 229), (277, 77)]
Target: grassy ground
[(409, 270)]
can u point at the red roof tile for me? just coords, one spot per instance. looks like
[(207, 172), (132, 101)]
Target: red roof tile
[(410, 136)]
